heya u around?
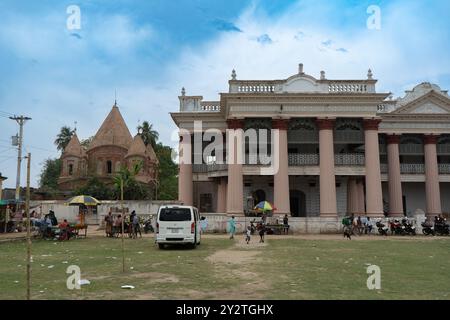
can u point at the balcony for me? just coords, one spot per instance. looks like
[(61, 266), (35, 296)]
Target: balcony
[(444, 168), (412, 168), (349, 159), (344, 159), (300, 159)]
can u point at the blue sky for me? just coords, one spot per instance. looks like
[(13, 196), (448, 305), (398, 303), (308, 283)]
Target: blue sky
[(148, 50)]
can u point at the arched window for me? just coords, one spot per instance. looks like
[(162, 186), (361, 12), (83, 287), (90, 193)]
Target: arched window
[(109, 166)]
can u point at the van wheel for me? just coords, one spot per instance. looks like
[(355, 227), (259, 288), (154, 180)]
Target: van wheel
[(160, 245)]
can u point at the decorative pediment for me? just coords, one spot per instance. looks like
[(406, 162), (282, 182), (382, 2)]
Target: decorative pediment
[(430, 103)]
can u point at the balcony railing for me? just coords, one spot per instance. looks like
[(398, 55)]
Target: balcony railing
[(303, 159), (350, 87), (444, 168), (412, 168), (349, 159)]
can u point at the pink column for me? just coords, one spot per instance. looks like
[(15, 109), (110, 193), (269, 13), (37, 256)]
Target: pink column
[(235, 187), (352, 196), (361, 197), (374, 196), (394, 179), (185, 180), (222, 196), (328, 204), (432, 191), (281, 177)]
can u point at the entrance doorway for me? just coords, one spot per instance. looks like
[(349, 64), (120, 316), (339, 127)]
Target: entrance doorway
[(298, 203)]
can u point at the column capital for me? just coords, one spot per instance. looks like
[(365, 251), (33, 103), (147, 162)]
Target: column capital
[(430, 139), (371, 124), (393, 139), (235, 124), (280, 124), (325, 124)]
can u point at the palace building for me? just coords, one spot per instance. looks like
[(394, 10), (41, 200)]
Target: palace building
[(112, 147), (342, 147)]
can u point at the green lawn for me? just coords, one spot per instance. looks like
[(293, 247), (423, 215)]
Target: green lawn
[(223, 269)]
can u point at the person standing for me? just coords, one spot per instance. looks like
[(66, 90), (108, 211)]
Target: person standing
[(286, 224), (203, 224), (109, 224), (262, 231), (232, 227), (135, 225)]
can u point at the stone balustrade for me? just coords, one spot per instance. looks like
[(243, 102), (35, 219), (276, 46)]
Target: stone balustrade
[(351, 87), (252, 86), (210, 106)]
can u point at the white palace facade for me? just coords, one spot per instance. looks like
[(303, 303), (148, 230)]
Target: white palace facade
[(343, 148)]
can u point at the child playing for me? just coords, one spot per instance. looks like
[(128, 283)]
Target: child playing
[(247, 234)]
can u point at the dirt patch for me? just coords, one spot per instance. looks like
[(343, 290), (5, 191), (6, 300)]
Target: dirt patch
[(233, 257)]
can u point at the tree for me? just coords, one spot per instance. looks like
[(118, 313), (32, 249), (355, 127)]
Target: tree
[(168, 172), (149, 136), (95, 188), (63, 138), (85, 143), (50, 173), (132, 189)]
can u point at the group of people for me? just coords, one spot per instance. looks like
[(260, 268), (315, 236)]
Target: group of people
[(251, 229), (357, 225), (113, 226)]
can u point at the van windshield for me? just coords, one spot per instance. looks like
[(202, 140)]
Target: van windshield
[(175, 214)]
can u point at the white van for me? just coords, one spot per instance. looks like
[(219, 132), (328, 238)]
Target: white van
[(177, 225)]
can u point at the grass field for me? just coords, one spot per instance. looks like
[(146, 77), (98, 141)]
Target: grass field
[(282, 268)]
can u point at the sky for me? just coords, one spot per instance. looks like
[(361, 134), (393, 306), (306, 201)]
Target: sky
[(146, 51)]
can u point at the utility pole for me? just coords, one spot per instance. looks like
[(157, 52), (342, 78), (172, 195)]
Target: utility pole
[(21, 121), (123, 221), (27, 209)]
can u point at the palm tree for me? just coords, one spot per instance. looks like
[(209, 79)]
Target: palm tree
[(85, 143), (63, 138), (132, 189), (149, 136)]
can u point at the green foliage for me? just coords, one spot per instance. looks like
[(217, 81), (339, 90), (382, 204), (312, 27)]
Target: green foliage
[(168, 173), (149, 136), (97, 189), (85, 143), (132, 189), (63, 138), (49, 175)]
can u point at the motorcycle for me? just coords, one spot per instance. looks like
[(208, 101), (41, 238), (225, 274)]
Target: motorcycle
[(408, 227), (148, 227), (397, 228), (427, 229), (382, 229), (442, 228)]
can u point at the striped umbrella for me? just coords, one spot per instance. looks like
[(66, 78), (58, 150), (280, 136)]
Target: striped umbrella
[(265, 206), (83, 200)]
